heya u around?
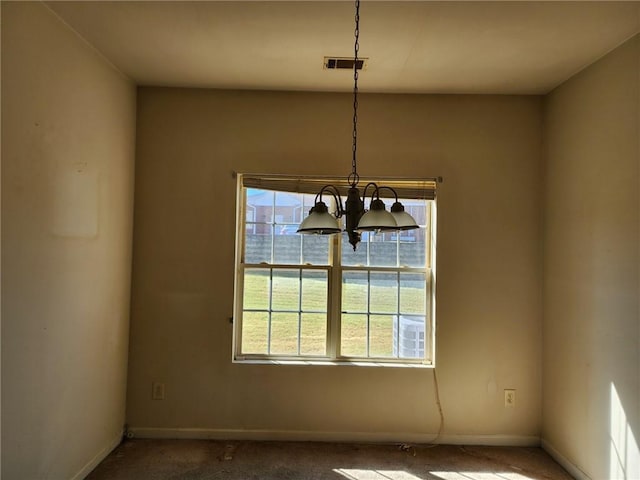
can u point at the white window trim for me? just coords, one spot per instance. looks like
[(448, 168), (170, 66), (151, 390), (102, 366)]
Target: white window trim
[(334, 270)]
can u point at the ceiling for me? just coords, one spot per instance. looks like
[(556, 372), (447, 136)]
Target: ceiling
[(413, 47)]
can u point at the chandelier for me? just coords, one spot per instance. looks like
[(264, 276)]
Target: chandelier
[(357, 219)]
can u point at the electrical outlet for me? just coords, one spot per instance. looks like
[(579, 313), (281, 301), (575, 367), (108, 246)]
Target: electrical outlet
[(157, 391), (509, 398)]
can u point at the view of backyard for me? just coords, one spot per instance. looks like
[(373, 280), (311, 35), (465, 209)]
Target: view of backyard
[(294, 291), (382, 302)]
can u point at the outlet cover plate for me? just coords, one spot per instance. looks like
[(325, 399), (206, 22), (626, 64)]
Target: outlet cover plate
[(509, 397), (157, 391)]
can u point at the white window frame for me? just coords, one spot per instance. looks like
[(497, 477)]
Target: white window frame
[(334, 271)]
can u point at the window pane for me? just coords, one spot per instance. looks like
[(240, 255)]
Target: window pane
[(384, 292), (284, 333), (256, 289), (413, 288), (383, 250), (313, 334), (354, 335), (258, 244), (314, 291), (355, 291), (359, 257), (286, 246), (255, 331), (285, 293), (381, 334), (288, 208), (417, 209), (261, 203), (411, 336), (412, 248), (315, 249)]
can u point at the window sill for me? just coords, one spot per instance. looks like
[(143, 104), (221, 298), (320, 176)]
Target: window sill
[(325, 363)]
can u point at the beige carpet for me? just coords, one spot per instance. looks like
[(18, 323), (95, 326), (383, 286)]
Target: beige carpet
[(243, 460)]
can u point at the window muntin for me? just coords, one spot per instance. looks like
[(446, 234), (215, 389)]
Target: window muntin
[(313, 297)]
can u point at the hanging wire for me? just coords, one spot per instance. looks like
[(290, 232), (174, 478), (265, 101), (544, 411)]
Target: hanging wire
[(353, 177)]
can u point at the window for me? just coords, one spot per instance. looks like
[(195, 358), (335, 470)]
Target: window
[(313, 298)]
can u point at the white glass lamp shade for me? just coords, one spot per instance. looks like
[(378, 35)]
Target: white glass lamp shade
[(377, 219), (319, 221), (403, 219)]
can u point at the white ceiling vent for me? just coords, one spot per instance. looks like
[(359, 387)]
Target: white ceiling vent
[(344, 63)]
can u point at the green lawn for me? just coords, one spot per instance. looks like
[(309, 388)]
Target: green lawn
[(291, 295)]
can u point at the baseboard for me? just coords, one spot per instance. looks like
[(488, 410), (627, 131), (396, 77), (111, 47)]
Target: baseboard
[(101, 455), (307, 436), (562, 460)]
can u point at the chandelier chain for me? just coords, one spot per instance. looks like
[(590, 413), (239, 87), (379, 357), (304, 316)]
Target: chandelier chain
[(357, 218), (353, 178)]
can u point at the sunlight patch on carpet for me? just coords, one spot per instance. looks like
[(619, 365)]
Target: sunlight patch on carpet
[(480, 476), (356, 474)]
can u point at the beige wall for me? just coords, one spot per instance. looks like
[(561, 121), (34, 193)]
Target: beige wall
[(489, 264), (591, 373), (68, 128)]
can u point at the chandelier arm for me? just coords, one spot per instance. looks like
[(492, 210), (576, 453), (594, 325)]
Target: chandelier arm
[(335, 193), (375, 191), (389, 188)]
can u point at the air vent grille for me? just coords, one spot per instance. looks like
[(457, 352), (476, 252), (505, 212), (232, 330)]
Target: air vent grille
[(344, 63)]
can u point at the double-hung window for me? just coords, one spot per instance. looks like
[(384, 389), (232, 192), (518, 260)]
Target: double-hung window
[(313, 298)]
